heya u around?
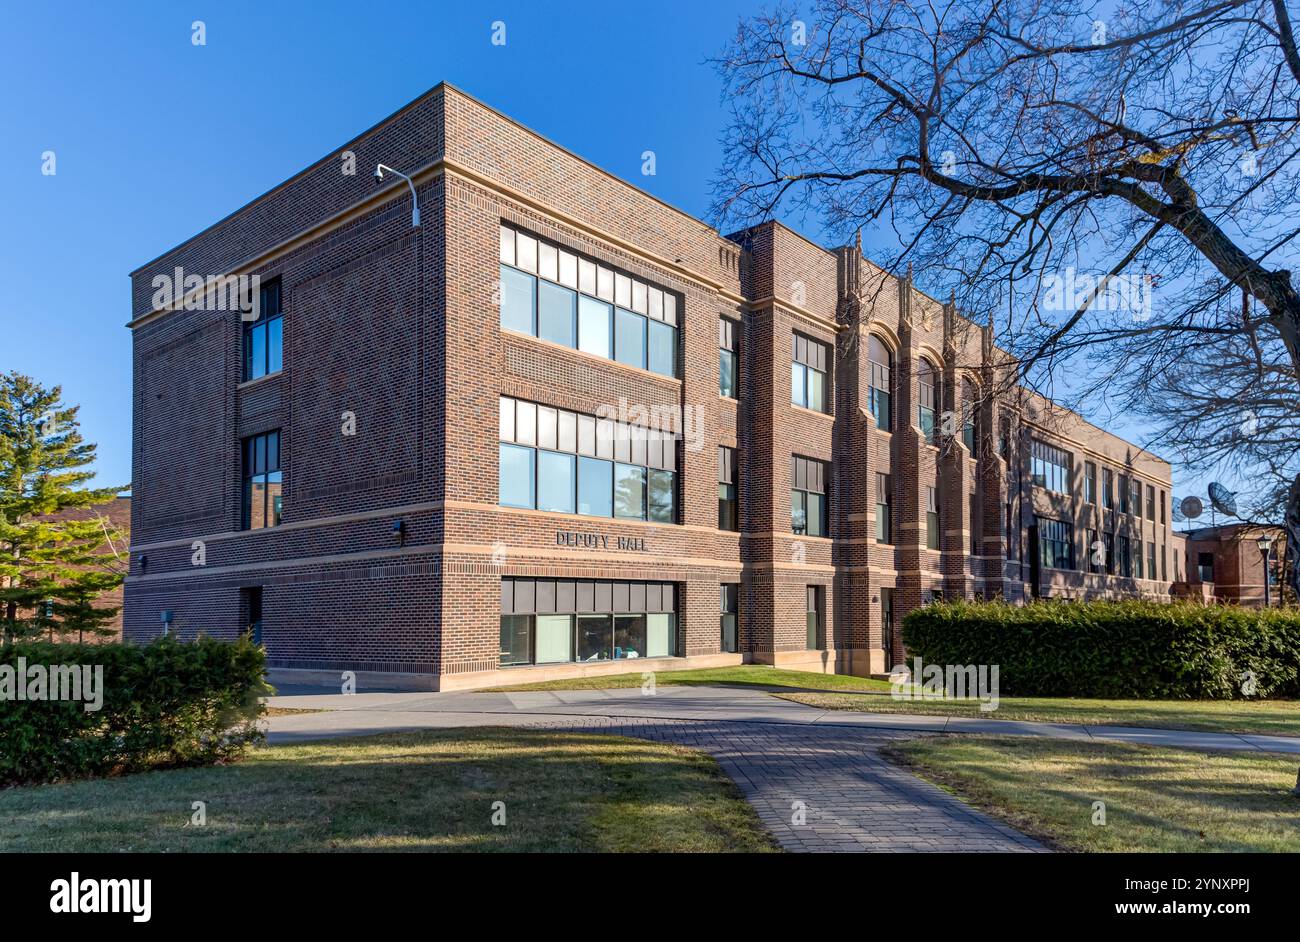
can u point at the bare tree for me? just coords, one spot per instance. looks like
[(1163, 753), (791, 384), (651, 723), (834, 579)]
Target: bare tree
[(1104, 184)]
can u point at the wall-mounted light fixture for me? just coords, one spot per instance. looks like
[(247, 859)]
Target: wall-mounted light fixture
[(380, 170)]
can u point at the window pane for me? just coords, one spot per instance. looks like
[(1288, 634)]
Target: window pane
[(514, 640), (663, 348), (660, 637), (517, 301), (274, 345), (256, 352), (556, 309), (594, 327), (727, 507), (273, 499), (817, 390), (727, 373), (555, 482), (595, 637), (629, 636), (728, 633), (595, 487), (816, 514), (554, 638), (799, 512), (516, 476), (629, 338), (661, 492), (798, 387), (629, 491)]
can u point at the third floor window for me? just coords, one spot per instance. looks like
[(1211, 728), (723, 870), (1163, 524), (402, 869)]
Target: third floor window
[(808, 374), (264, 337)]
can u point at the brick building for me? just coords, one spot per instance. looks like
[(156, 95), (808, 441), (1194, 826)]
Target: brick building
[(1224, 564), (561, 426)]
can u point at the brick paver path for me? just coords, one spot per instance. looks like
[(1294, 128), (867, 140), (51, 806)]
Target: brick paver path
[(852, 799)]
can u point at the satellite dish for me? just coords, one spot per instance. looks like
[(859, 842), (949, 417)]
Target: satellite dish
[(1223, 500), (1191, 507), (1177, 511)]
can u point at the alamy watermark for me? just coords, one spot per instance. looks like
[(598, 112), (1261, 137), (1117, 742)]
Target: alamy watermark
[(75, 682), (181, 292), (946, 682)]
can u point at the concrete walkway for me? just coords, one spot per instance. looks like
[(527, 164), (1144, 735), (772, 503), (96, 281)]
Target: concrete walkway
[(816, 777)]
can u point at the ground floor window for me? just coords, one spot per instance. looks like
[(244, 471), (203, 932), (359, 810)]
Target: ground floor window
[(561, 621), (814, 618), (729, 594)]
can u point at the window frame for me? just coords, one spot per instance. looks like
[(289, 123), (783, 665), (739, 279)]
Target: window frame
[(255, 467), (270, 314)]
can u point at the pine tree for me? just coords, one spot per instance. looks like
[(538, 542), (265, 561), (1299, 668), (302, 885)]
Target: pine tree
[(51, 570)]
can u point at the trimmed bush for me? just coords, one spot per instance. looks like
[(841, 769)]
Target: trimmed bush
[(163, 704), (1115, 650)]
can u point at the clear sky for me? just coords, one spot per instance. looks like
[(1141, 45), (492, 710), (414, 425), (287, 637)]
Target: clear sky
[(156, 138)]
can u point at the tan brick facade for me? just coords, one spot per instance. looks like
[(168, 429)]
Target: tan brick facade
[(400, 328)]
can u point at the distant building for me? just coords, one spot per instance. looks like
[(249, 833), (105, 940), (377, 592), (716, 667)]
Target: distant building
[(1224, 564), (116, 516)]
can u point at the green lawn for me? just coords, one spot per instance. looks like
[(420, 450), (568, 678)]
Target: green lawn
[(1156, 800), (1267, 717), (427, 791), (747, 675)]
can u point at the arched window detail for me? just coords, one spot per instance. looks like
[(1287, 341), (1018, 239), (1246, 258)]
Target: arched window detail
[(881, 382), (925, 383)]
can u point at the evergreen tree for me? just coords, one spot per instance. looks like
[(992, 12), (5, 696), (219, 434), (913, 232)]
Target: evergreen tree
[(51, 570)]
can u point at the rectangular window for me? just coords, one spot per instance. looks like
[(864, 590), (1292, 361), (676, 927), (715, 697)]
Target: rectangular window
[(629, 338), (1096, 552), (1205, 567), (931, 518), (516, 640), (728, 357), (564, 462), (264, 337), (1125, 561), (1151, 560), (1151, 502), (808, 497), (518, 292), (884, 509), (1109, 540), (730, 605), (262, 481), (1107, 489), (1135, 498), (1090, 482), (881, 383), (1123, 494), (1137, 557), (1050, 467), (557, 314), (662, 348), (1164, 562), (728, 508), (808, 374), (1162, 508), (975, 548), (814, 618), (595, 327), (1055, 543)]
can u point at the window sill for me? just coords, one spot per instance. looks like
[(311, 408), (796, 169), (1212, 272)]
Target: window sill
[(594, 357), (249, 383), (817, 412)]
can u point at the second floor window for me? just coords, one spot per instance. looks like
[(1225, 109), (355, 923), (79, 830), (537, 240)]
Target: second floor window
[(264, 337), (932, 518), (884, 510), (1107, 489), (808, 374), (728, 355), (1055, 544), (1090, 482), (262, 481), (1151, 502), (1050, 467), (728, 516), (882, 373), (808, 497), (925, 413)]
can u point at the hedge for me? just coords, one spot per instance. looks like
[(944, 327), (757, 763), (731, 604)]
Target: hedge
[(164, 704), (1115, 650)]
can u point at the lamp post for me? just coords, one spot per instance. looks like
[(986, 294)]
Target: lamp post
[(1265, 544), (415, 200)]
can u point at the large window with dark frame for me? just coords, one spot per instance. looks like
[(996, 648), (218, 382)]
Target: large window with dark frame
[(1124, 562), (263, 339), (729, 600), (1089, 482), (1049, 467), (1151, 560), (931, 518), (728, 505), (565, 462), (1135, 497), (262, 481), (1124, 493), (1110, 561), (927, 402), (1055, 543), (884, 509), (1107, 489), (808, 370), (545, 621), (1151, 503), (816, 614), (728, 357), (1096, 551), (881, 359), (808, 497), (556, 295)]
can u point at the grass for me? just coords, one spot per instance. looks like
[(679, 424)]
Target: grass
[(1156, 800), (426, 791), (745, 675), (1265, 717)]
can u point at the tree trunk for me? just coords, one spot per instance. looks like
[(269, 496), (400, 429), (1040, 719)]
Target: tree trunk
[(1292, 524)]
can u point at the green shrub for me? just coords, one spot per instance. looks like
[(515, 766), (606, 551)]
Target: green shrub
[(163, 704), (1115, 650)]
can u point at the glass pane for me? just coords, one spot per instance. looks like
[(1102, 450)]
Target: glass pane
[(629, 636), (595, 637), (812, 631), (728, 633), (272, 451), (554, 638), (661, 635), (629, 491), (595, 487), (727, 373), (727, 507), (514, 640), (663, 348), (555, 482), (273, 494), (798, 387), (817, 390), (798, 512), (556, 310), (256, 339), (517, 301), (816, 514), (516, 476), (629, 338), (661, 493), (594, 327), (274, 345)]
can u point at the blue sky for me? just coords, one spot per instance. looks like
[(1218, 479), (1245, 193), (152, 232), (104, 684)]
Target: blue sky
[(156, 138)]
